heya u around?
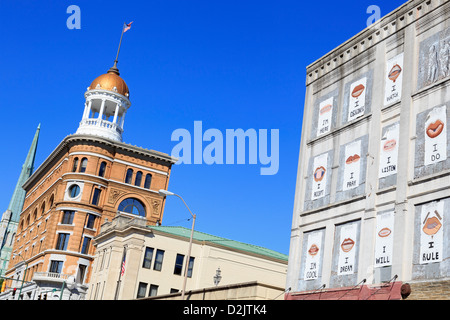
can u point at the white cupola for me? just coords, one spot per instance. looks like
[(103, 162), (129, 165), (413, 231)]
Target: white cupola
[(107, 102)]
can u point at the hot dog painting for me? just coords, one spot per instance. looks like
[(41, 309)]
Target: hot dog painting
[(313, 254), (435, 132), (384, 241), (347, 249), (393, 80), (325, 116), (431, 232), (357, 99), (319, 176), (352, 165), (389, 151)]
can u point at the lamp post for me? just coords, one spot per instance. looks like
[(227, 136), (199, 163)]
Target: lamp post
[(24, 274), (165, 193)]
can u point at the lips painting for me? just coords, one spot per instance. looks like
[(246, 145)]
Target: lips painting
[(435, 129), (352, 159), (389, 145), (319, 174), (432, 226), (395, 72), (347, 245), (359, 89), (326, 109), (314, 250), (384, 232)]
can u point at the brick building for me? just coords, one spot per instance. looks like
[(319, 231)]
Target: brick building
[(89, 177), (372, 205)]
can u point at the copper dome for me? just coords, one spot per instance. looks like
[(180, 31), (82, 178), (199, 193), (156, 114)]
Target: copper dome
[(109, 81)]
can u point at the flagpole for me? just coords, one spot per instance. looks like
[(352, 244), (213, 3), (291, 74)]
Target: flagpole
[(120, 273), (120, 43)]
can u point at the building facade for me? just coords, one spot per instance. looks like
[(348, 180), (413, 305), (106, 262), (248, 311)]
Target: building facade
[(134, 261), (371, 217), (90, 177)]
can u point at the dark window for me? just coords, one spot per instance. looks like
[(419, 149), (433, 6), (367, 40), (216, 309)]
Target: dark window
[(153, 290), (101, 171), (138, 179), (172, 290), (142, 289), (68, 217), (158, 260), (129, 176), (190, 267), (81, 273), (133, 206), (148, 256), (74, 191), (85, 247), (90, 221), (148, 181), (96, 196), (75, 165), (56, 266), (178, 264), (83, 165), (63, 240)]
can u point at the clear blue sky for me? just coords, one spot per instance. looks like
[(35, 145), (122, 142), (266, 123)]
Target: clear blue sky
[(230, 64)]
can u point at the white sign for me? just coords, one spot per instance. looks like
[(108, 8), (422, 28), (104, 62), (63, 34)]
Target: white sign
[(393, 80), (325, 116), (436, 136), (357, 99), (385, 239), (431, 232), (347, 249), (389, 152), (313, 250), (319, 184), (352, 165)]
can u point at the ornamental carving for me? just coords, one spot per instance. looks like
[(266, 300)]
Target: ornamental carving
[(114, 194)]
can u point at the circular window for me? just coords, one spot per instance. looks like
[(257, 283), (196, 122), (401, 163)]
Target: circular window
[(74, 191), (133, 206)]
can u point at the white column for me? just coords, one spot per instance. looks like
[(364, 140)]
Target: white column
[(123, 119), (87, 109), (102, 108), (116, 113)]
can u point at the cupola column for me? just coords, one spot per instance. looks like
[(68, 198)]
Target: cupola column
[(87, 109), (102, 109), (116, 113)]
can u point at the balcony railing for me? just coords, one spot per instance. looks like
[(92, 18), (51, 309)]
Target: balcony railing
[(50, 276)]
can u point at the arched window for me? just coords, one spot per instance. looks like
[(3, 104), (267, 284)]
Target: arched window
[(132, 205), (148, 181), (83, 165), (50, 204), (75, 165), (138, 179), (101, 171), (129, 176)]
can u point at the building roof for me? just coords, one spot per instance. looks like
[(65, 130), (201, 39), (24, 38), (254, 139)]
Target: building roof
[(208, 238)]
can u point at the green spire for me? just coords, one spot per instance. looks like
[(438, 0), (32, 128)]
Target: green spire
[(18, 196)]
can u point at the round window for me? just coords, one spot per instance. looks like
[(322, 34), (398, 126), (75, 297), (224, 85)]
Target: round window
[(133, 206), (74, 191)]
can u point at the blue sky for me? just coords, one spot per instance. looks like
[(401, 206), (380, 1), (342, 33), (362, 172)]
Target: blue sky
[(230, 64)]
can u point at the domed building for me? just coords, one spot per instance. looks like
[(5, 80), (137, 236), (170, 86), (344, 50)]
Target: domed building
[(89, 179)]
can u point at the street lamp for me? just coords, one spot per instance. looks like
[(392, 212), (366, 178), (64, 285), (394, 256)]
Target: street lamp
[(165, 193), (217, 277), (24, 274)]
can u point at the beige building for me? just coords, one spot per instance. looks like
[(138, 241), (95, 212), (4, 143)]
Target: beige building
[(155, 259), (372, 202)]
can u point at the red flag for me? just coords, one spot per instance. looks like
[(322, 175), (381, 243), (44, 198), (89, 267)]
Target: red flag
[(127, 27)]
